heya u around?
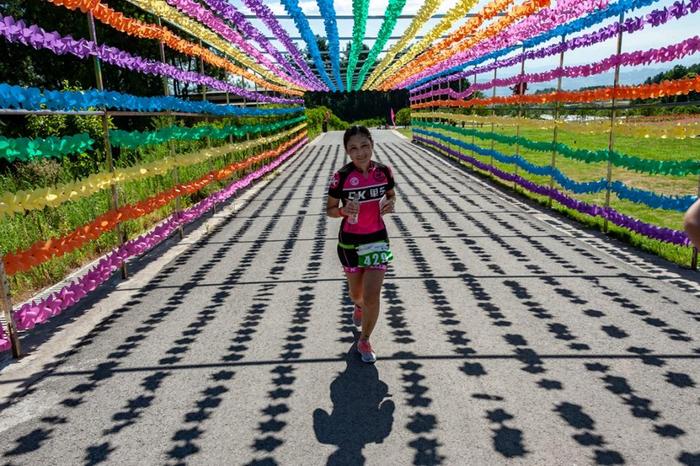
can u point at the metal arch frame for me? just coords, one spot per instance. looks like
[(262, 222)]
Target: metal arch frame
[(369, 17)]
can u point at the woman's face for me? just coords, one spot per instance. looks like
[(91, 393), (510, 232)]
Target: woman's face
[(359, 148)]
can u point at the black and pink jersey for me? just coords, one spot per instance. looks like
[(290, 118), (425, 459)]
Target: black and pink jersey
[(350, 183)]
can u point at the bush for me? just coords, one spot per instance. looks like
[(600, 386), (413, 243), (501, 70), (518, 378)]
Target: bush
[(315, 118), (403, 117)]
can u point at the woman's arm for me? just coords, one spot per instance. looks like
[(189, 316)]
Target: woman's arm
[(391, 200), (692, 223), (333, 208)]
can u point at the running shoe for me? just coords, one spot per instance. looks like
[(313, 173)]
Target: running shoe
[(366, 351), (357, 316)]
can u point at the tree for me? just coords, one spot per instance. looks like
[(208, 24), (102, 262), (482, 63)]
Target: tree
[(322, 45), (359, 105), (25, 66), (460, 85), (677, 72), (403, 117)]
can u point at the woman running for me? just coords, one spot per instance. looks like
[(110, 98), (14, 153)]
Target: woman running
[(366, 189)]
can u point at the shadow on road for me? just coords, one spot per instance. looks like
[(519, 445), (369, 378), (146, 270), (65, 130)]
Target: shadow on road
[(361, 414)]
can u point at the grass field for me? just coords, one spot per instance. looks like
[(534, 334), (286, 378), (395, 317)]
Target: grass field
[(656, 149), (22, 230)]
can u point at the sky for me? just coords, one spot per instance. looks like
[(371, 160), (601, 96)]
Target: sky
[(672, 32)]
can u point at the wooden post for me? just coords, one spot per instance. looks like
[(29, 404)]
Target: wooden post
[(432, 99), (473, 117), (613, 111), (6, 304), (459, 84), (228, 102), (264, 146), (493, 117), (171, 145), (520, 114), (452, 135), (555, 131), (202, 87), (694, 258), (114, 201), (207, 119)]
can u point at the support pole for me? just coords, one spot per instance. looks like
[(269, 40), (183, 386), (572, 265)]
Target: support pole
[(208, 139), (694, 258), (520, 114), (493, 117), (202, 87), (446, 121), (228, 102), (459, 84), (555, 133), (264, 146), (114, 202), (6, 304), (613, 111), (171, 145), (473, 116)]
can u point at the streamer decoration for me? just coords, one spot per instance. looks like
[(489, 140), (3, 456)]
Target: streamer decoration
[(648, 198), (143, 30), (359, 12), (393, 10), (134, 139), (655, 18), (531, 11), (32, 98), (328, 13), (43, 251), (30, 314), (266, 15), (422, 16), (641, 57), (456, 13), (641, 129), (25, 149), (4, 340), (54, 196), (667, 235), (643, 91), (654, 167), (229, 12), (196, 11), (34, 36), (545, 19), (302, 24), (220, 39), (502, 45)]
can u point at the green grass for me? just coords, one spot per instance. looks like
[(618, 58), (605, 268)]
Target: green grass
[(406, 132), (22, 230), (656, 149)]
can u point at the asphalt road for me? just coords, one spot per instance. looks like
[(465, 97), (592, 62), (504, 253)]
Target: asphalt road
[(506, 336)]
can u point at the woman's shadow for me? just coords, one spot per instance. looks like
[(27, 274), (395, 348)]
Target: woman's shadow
[(360, 415)]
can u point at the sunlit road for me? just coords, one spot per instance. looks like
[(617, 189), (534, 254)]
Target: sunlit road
[(506, 336)]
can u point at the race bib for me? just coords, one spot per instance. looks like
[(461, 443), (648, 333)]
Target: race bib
[(374, 254)]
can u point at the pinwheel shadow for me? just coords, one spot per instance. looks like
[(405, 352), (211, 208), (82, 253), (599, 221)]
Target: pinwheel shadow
[(361, 413), (32, 340)]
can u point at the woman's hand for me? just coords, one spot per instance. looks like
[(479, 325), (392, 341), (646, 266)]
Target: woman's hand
[(388, 206), (350, 208)]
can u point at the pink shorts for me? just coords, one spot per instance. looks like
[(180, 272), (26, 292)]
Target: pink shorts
[(381, 267)]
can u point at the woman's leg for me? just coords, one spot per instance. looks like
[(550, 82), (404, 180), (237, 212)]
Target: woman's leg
[(372, 287), (355, 287)]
